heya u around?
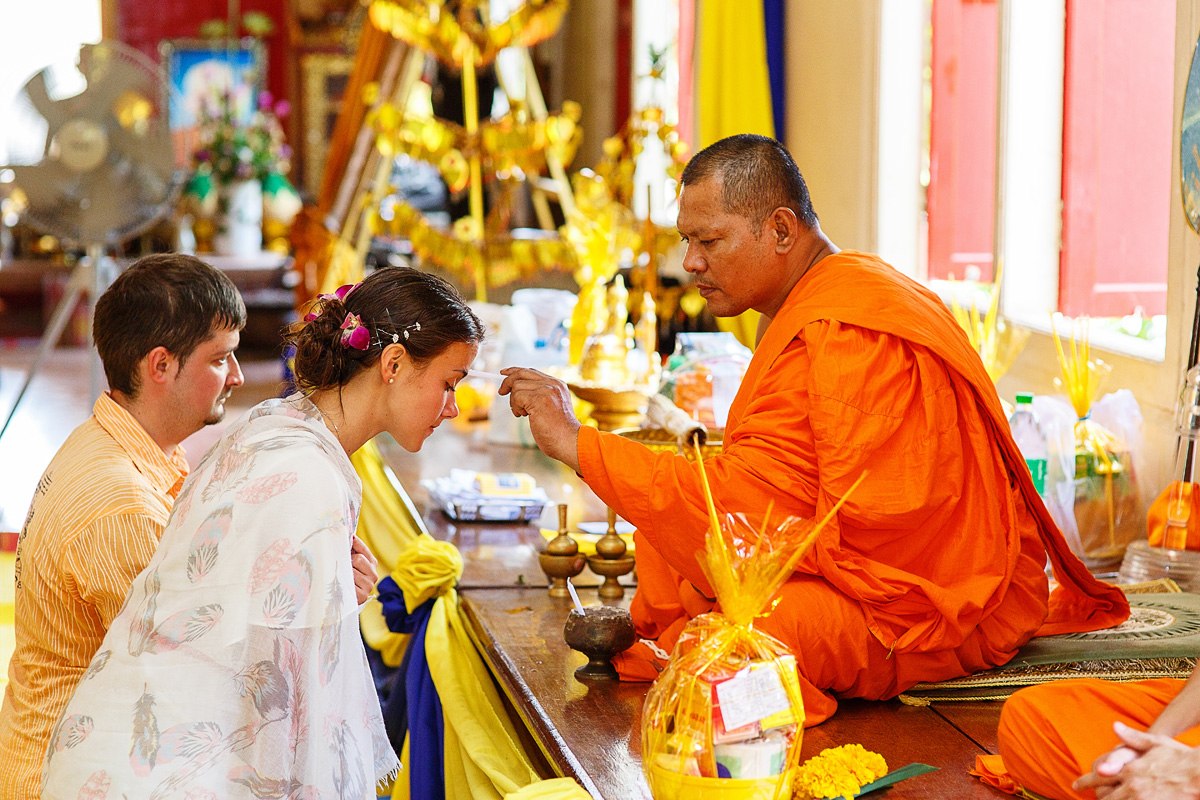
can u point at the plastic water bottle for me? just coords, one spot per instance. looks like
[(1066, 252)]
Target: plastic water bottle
[(1030, 440)]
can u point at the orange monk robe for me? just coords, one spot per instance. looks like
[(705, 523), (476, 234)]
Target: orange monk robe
[(935, 566), (1051, 734)]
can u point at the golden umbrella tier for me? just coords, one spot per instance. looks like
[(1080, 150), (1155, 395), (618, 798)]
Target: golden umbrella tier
[(458, 38)]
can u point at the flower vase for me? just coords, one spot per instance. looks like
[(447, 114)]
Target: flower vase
[(240, 219)]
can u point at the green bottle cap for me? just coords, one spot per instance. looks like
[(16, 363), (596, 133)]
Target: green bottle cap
[(1024, 397)]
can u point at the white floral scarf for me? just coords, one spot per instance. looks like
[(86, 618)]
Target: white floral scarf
[(235, 668)]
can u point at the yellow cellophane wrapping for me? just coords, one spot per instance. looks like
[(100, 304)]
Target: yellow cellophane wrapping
[(682, 721), (1108, 507)]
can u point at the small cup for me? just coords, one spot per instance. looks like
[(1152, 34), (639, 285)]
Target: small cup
[(599, 632)]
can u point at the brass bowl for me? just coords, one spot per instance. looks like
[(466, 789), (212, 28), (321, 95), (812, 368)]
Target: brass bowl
[(662, 441), (613, 408), (599, 632)]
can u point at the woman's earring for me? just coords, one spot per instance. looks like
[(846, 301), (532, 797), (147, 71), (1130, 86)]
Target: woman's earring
[(391, 380)]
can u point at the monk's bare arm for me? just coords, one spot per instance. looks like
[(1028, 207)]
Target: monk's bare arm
[(1183, 712), (547, 403)]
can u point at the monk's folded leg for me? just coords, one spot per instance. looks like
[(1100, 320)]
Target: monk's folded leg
[(1051, 734), (836, 654)]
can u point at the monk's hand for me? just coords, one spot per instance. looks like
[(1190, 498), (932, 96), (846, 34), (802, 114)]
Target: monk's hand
[(547, 402), (1144, 766), (365, 566)]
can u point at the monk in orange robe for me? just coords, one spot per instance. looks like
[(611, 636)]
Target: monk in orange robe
[(935, 566), (1089, 738)]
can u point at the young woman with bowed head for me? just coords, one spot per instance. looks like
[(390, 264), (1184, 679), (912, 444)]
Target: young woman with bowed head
[(235, 668)]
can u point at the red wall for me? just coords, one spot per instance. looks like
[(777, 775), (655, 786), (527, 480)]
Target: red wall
[(145, 23)]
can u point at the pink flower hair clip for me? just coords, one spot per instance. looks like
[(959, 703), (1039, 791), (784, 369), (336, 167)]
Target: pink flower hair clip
[(341, 293), (354, 333)]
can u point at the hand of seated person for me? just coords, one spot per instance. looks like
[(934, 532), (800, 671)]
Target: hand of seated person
[(365, 566), (1144, 766)]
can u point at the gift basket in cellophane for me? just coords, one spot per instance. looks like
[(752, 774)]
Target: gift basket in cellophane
[(725, 718), (1095, 497)]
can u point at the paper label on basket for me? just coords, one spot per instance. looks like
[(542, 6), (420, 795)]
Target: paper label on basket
[(751, 695)]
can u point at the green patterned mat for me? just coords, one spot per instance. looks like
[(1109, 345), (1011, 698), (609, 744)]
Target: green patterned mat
[(1161, 639)]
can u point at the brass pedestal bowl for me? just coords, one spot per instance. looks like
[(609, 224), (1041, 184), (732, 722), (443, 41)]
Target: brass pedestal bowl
[(599, 632), (610, 568), (662, 441), (622, 407), (559, 568)]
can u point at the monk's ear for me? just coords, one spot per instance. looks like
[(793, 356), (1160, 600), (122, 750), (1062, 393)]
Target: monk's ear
[(784, 229)]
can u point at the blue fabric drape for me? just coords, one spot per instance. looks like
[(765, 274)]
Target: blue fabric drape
[(773, 25), (413, 705)]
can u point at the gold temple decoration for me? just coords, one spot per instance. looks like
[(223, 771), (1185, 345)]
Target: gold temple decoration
[(619, 162), (455, 38), (522, 144), (603, 233)]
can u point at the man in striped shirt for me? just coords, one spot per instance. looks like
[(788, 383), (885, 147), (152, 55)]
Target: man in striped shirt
[(166, 331)]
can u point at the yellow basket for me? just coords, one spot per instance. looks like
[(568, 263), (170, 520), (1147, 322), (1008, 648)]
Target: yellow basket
[(666, 784)]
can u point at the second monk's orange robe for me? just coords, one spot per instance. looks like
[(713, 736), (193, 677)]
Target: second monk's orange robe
[(934, 568), (1051, 734)]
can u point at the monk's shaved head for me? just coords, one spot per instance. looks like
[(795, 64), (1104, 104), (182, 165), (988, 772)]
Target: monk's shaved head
[(757, 176)]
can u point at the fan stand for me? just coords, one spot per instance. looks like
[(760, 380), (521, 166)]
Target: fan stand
[(90, 277)]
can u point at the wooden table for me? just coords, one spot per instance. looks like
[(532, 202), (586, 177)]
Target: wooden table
[(590, 731)]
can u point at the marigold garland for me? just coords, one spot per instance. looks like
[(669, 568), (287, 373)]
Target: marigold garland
[(838, 772)]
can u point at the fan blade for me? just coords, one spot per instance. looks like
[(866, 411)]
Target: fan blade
[(105, 168), (108, 79), (37, 98)]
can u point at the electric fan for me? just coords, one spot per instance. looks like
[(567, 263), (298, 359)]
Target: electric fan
[(90, 149)]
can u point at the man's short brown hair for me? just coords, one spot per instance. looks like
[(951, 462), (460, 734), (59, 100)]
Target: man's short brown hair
[(166, 300)]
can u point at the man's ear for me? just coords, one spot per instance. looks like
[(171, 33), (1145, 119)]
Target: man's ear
[(158, 365), (784, 228)]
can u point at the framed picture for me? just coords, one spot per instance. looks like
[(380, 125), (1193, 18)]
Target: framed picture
[(324, 77), (204, 75)]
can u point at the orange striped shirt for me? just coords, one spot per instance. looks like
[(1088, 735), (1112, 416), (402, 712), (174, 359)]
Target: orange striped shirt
[(93, 525)]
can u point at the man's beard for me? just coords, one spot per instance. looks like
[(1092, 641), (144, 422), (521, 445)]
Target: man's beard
[(218, 410)]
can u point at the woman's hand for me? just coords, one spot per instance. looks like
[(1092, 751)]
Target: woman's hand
[(365, 570)]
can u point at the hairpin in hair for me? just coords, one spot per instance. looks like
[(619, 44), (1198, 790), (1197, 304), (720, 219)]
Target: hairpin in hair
[(395, 337), (354, 333)]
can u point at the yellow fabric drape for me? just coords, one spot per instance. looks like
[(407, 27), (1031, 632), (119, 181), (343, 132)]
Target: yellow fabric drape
[(483, 756), (733, 93), (553, 789), (744, 326)]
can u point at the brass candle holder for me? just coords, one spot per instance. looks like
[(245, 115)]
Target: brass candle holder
[(561, 560), (611, 561)]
